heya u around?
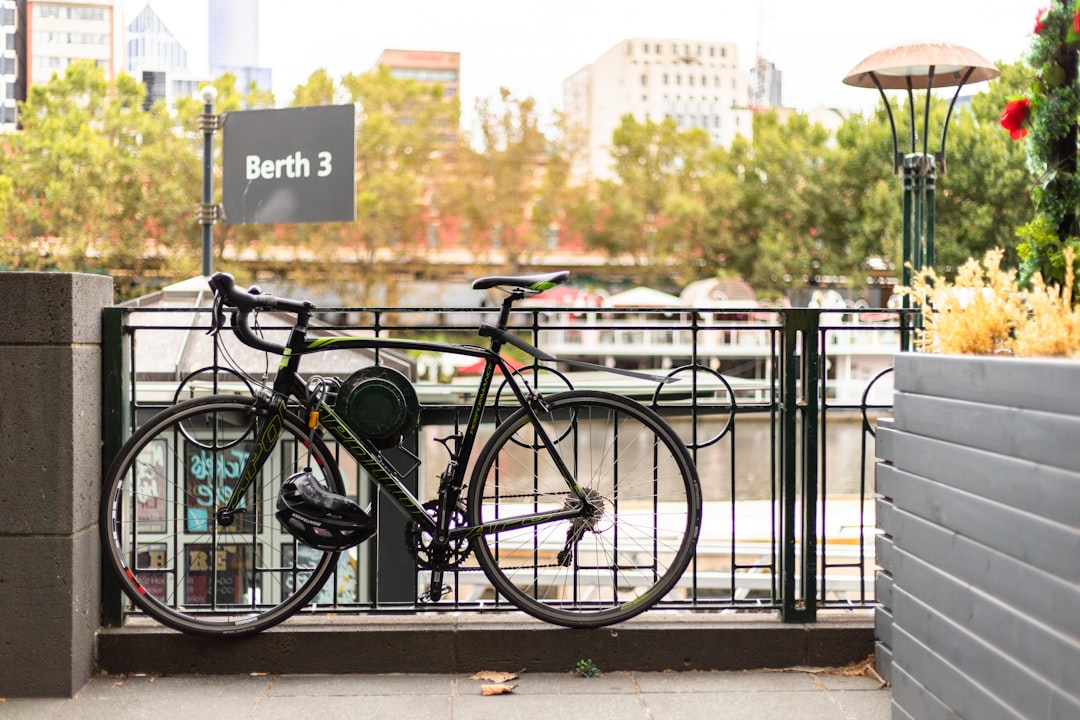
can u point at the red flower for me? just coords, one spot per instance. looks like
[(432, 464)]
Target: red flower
[(1076, 22), (1015, 116), (1040, 18)]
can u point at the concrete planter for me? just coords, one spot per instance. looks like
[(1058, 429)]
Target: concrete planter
[(980, 551)]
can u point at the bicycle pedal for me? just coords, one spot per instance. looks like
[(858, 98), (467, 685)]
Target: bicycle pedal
[(434, 597)]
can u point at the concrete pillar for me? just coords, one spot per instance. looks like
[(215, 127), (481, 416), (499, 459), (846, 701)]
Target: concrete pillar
[(50, 480)]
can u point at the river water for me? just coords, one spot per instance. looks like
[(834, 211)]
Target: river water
[(744, 461)]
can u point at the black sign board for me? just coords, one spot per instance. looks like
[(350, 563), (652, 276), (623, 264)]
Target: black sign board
[(294, 165)]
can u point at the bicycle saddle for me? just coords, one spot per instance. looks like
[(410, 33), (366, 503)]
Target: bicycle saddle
[(536, 283)]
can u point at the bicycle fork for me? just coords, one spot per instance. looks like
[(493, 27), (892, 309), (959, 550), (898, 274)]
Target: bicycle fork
[(269, 421)]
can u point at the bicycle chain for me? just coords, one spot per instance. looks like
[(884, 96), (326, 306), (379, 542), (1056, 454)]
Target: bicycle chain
[(574, 534)]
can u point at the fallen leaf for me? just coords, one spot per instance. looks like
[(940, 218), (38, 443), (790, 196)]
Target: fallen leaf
[(501, 689), (865, 668), (494, 676)]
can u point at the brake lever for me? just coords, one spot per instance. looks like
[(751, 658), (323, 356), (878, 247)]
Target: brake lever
[(217, 320)]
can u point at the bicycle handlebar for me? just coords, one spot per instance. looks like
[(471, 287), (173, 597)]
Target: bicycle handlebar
[(224, 286), (227, 295)]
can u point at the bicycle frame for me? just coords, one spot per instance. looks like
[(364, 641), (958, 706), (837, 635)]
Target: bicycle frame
[(289, 384)]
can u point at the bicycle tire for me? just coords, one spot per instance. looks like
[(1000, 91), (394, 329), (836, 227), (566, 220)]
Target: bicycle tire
[(618, 563), (159, 532)]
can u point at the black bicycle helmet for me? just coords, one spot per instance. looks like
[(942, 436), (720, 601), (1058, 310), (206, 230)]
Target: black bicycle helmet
[(319, 518)]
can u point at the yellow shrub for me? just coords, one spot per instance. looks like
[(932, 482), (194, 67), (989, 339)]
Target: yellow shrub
[(983, 311)]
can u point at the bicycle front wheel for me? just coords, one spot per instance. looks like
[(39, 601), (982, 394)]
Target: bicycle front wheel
[(174, 560), (621, 557)]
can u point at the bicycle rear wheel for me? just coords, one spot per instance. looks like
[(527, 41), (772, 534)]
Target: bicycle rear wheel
[(629, 552), (174, 561)]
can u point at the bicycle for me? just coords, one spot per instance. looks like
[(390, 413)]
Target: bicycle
[(226, 514)]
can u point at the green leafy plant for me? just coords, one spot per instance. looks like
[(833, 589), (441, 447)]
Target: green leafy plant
[(586, 669), (1050, 113)]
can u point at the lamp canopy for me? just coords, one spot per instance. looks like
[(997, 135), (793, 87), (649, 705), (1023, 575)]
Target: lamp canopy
[(909, 65)]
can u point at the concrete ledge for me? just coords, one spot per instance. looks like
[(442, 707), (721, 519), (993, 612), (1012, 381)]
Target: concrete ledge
[(467, 643)]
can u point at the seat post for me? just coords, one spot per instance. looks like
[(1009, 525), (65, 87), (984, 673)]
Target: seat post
[(507, 303)]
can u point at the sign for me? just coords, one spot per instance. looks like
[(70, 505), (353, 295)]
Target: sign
[(294, 165)]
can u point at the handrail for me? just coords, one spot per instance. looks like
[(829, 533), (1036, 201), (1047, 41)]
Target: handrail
[(767, 409)]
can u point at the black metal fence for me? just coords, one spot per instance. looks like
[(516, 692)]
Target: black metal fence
[(778, 408)]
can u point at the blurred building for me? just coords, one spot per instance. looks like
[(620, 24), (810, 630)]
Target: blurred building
[(234, 43), (43, 37), (12, 62), (157, 58), (425, 66), (765, 85), (696, 83)]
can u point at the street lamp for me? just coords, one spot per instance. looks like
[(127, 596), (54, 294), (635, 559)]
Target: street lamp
[(911, 67)]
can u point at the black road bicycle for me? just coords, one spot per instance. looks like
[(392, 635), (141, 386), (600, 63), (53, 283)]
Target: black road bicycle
[(226, 514)]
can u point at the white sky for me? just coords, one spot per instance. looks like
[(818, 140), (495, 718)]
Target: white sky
[(531, 47)]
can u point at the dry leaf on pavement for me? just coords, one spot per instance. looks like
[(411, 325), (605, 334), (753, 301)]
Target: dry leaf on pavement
[(494, 676)]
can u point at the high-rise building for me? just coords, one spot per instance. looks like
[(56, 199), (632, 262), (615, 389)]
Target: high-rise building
[(157, 58), (766, 85), (696, 83), (234, 43), (43, 37)]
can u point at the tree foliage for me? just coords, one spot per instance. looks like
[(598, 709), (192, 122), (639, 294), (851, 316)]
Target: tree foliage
[(508, 185), (96, 182)]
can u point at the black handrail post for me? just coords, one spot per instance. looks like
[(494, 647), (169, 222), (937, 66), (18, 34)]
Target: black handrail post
[(798, 480), (115, 421)]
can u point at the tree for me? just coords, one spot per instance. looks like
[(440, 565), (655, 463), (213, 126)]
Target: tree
[(319, 89), (404, 125), (984, 195), (508, 188), (788, 223), (93, 178), (655, 211)]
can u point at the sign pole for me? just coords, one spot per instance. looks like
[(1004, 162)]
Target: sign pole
[(208, 123)]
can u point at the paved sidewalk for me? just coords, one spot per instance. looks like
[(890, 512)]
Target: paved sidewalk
[(798, 694)]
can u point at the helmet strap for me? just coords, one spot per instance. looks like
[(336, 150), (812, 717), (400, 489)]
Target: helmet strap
[(316, 392)]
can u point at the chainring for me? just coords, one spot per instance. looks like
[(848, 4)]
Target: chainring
[(429, 555)]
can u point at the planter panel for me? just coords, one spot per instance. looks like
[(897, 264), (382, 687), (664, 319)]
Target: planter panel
[(945, 682), (1033, 645), (1032, 383), (980, 551), (912, 701), (1052, 493), (1034, 435), (1050, 546), (1000, 576)]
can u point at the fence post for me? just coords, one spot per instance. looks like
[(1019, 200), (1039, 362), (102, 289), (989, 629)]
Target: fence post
[(50, 480), (799, 413), (115, 428)]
